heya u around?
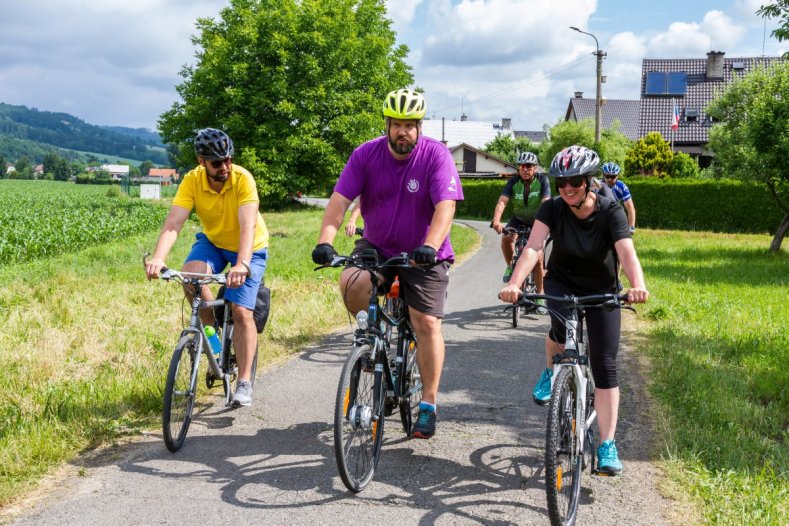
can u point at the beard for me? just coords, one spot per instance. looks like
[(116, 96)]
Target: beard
[(402, 149), (219, 177)]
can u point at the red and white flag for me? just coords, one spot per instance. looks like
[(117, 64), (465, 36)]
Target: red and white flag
[(675, 117)]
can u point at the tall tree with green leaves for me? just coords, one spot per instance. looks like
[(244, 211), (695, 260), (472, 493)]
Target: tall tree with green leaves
[(507, 147), (751, 138), (613, 143), (297, 84), (777, 9)]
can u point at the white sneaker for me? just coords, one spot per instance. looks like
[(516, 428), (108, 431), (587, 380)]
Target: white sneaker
[(243, 395)]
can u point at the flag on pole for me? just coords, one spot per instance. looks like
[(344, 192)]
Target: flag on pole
[(675, 117)]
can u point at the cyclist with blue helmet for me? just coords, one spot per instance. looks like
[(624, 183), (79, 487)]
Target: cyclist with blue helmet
[(621, 192), (589, 233), (528, 190)]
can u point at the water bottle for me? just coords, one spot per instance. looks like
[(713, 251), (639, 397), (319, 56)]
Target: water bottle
[(213, 339)]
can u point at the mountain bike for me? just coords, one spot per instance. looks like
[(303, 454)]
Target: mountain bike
[(374, 381), (569, 440), (528, 286), (180, 391)]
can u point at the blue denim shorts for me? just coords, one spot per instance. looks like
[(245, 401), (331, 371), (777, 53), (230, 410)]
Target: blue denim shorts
[(218, 258)]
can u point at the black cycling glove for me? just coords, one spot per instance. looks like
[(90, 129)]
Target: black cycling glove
[(323, 254), (425, 255)]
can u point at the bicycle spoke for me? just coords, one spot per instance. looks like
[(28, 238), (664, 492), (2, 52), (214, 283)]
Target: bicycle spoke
[(179, 393)]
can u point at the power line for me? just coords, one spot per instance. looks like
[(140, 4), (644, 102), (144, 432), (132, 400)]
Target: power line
[(517, 86)]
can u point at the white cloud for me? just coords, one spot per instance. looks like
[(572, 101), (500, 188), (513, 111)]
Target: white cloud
[(723, 32), (401, 12)]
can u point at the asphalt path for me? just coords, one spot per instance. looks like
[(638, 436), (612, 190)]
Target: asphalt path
[(274, 463)]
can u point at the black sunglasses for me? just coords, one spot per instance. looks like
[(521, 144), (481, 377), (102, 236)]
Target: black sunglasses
[(609, 176), (575, 182), (216, 165)]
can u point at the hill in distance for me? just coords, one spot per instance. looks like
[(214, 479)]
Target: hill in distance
[(33, 133)]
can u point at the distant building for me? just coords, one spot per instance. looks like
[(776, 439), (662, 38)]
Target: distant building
[(473, 162), (690, 85), (164, 176), (473, 133), (116, 171), (624, 111)]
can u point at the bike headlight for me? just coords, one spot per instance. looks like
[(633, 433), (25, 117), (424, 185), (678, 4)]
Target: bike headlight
[(361, 319)]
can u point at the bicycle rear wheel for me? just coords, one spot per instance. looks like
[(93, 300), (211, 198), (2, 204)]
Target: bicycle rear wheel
[(358, 421), (179, 392), (562, 458), (411, 381)]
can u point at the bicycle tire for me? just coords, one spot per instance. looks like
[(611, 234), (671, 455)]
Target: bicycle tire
[(561, 452), (358, 424), (411, 382), (516, 315), (179, 393)]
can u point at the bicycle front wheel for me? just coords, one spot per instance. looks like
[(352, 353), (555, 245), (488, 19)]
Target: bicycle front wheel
[(412, 384), (358, 421), (179, 392), (562, 458)]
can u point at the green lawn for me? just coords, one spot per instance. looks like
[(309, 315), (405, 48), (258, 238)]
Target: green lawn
[(718, 340)]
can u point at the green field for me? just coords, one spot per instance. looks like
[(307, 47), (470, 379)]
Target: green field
[(45, 218)]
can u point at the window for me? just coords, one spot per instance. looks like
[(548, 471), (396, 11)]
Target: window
[(660, 83), (691, 114)]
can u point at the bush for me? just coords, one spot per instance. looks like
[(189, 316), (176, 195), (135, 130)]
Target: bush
[(684, 166), (85, 178), (678, 204), (650, 155)]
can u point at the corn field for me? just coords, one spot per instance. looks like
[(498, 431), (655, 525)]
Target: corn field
[(40, 219)]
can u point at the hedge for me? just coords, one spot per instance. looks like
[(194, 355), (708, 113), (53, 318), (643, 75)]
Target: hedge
[(725, 205)]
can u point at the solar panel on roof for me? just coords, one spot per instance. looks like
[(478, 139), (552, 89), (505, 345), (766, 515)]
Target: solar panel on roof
[(656, 83), (677, 83)]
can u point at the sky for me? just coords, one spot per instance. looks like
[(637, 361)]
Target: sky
[(113, 62)]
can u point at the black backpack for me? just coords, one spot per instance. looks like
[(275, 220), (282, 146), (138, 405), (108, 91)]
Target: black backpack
[(262, 306)]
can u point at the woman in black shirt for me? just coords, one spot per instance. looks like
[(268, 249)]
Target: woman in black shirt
[(589, 233)]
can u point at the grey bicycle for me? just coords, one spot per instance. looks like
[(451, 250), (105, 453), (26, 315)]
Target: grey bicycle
[(569, 439), (180, 391)]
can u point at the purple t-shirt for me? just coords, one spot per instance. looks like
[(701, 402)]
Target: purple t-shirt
[(398, 198)]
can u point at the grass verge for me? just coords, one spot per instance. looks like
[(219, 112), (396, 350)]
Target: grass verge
[(718, 342), (86, 340)]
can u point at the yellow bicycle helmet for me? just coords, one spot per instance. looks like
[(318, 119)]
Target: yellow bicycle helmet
[(405, 104)]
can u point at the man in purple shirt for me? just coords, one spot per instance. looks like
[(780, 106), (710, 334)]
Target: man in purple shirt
[(409, 185)]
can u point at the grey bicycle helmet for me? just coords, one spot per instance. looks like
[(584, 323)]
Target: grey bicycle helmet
[(527, 158), (574, 160), (211, 143), (611, 169)]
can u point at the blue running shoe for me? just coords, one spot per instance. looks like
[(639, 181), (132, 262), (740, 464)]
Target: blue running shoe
[(542, 391), (425, 425), (608, 458)]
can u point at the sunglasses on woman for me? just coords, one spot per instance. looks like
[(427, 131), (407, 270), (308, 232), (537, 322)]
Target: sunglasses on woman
[(575, 182), (216, 165)]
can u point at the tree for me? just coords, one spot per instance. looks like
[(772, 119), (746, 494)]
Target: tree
[(507, 147), (777, 9), (650, 155), (145, 167), (57, 165), (613, 143), (297, 84), (24, 168), (751, 138)]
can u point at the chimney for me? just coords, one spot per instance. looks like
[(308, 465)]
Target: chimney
[(506, 123), (579, 94), (715, 65), (463, 117)]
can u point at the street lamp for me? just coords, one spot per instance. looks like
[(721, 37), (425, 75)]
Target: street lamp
[(599, 99)]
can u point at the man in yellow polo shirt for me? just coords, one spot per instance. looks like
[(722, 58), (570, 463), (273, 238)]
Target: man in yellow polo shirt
[(226, 201)]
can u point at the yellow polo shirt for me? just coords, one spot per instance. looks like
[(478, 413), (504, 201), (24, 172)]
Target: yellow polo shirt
[(218, 212)]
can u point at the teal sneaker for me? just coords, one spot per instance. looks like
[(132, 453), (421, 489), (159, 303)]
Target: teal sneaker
[(608, 458), (507, 274), (542, 391)]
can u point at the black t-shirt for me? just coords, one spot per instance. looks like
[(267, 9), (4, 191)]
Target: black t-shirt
[(582, 255)]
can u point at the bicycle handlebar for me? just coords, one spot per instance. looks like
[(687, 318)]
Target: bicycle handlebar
[(369, 262), (610, 300)]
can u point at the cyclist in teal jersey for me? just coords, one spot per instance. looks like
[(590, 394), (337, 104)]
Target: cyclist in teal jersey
[(529, 190)]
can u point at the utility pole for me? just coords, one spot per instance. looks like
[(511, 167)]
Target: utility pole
[(599, 97)]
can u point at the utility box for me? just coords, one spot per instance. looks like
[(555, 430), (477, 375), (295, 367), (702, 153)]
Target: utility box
[(150, 191)]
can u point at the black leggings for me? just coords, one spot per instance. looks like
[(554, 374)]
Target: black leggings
[(602, 332)]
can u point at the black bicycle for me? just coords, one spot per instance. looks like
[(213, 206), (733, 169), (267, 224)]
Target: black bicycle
[(529, 286), (374, 381), (569, 439), (180, 391)]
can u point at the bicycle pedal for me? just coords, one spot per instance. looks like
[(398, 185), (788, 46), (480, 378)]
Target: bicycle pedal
[(603, 473)]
